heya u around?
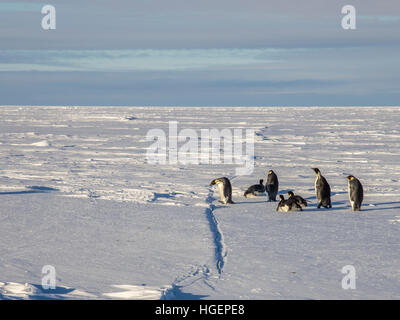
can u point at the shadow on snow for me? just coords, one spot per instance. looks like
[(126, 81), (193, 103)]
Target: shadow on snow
[(32, 189)]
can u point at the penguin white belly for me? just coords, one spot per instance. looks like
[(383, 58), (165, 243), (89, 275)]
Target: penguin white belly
[(351, 201), (251, 195), (221, 192), (259, 194), (284, 208), (316, 189)]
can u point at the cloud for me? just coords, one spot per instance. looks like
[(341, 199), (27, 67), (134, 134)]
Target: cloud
[(178, 24), (207, 52), (131, 60)]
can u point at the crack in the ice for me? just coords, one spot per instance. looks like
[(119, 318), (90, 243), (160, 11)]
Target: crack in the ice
[(201, 273), (220, 247)]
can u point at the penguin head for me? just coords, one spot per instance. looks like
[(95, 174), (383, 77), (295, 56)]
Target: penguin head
[(316, 170), (350, 178), (261, 181), (270, 172), (291, 194), (221, 180), (281, 197), (215, 181)]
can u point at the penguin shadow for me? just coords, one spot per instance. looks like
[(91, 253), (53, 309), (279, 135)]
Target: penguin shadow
[(333, 193), (284, 191), (341, 205), (56, 291), (31, 189), (308, 199), (176, 293), (337, 205), (215, 204), (396, 205), (249, 202)]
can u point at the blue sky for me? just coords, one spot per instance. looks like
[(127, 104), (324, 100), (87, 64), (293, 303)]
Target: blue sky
[(221, 52)]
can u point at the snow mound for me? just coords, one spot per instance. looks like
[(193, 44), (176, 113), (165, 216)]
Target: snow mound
[(43, 143), (138, 292), (13, 290), (27, 291)]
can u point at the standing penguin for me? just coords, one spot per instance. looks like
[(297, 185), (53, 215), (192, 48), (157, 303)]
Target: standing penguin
[(255, 190), (272, 185), (224, 188), (356, 193), (322, 190)]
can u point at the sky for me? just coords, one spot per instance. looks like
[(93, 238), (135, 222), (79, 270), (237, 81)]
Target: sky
[(200, 53)]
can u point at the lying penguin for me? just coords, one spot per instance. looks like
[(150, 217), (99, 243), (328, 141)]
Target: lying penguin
[(255, 190), (224, 188), (288, 205), (302, 203)]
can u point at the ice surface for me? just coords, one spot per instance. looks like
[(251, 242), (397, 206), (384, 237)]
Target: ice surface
[(76, 193)]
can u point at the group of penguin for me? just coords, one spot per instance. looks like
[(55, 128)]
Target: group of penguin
[(294, 202)]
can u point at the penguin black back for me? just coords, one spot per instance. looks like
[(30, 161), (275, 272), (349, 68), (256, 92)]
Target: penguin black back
[(356, 192), (322, 190), (272, 185), (255, 190), (298, 199)]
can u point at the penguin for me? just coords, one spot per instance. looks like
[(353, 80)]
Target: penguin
[(356, 193), (322, 190), (288, 205), (299, 200), (255, 190), (224, 188), (272, 185)]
